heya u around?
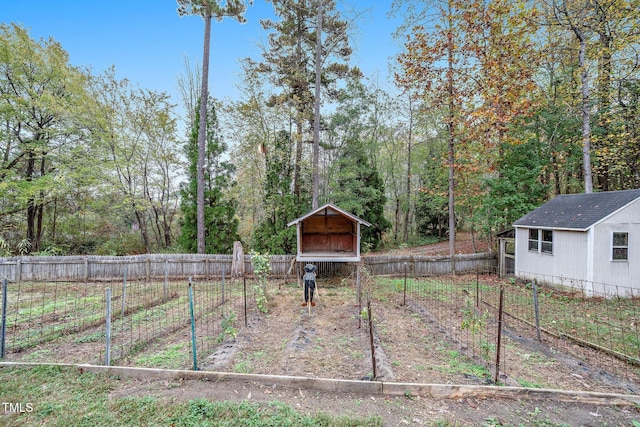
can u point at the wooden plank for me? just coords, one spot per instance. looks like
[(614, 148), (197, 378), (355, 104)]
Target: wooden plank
[(441, 391)]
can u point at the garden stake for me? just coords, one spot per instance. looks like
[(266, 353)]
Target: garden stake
[(166, 279), (222, 283), (124, 289), (535, 308), (244, 281), (107, 357), (3, 332), (404, 296), (499, 334), (193, 327), (373, 348)]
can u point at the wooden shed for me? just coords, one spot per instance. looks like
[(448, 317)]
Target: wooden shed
[(585, 240), (328, 234)]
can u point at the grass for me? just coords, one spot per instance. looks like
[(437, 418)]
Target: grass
[(63, 396), (173, 357), (459, 365)]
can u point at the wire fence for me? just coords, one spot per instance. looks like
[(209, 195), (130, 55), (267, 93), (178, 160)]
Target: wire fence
[(474, 310), (131, 320), (110, 323)]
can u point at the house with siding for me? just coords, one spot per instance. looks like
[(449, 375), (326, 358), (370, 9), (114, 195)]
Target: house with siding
[(586, 241)]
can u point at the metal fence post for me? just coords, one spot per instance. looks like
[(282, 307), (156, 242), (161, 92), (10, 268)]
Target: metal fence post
[(244, 291), (124, 289), (222, 283), (107, 359), (404, 297), (166, 278), (498, 344), (193, 327), (536, 309), (3, 332)]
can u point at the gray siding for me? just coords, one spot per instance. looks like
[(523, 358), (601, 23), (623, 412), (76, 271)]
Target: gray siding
[(569, 258)]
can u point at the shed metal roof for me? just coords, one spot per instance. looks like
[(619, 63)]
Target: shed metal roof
[(577, 211)]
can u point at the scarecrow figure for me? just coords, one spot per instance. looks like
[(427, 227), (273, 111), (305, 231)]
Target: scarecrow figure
[(309, 284)]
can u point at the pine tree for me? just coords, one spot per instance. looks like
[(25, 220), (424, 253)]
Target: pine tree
[(281, 206), (221, 224), (359, 189)]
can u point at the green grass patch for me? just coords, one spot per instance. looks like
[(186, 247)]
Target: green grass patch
[(63, 396), (458, 364), (173, 357)]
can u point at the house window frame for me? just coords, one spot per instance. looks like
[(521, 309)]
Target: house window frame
[(534, 241), (546, 241), (540, 240), (619, 247)]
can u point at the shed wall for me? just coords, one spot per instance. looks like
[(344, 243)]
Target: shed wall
[(605, 269), (569, 258)]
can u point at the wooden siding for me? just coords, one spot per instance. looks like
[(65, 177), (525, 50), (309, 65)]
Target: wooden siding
[(157, 266), (327, 224), (326, 242)]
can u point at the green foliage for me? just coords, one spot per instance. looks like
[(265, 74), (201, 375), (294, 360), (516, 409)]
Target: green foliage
[(228, 323), (261, 298), (5, 250), (123, 244), (261, 265), (356, 185), (432, 214), (281, 206), (221, 223), (85, 399), (261, 268), (516, 189), (173, 357)]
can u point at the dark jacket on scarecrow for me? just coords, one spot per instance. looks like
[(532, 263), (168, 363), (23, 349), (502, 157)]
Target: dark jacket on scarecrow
[(309, 283)]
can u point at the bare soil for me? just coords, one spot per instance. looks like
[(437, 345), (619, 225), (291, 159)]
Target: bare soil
[(330, 340)]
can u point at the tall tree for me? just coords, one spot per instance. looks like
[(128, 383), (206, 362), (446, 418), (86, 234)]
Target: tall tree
[(136, 130), (220, 220), (434, 63), (281, 206), (576, 16), (308, 54), (358, 189), (207, 9), (41, 101), (356, 185)]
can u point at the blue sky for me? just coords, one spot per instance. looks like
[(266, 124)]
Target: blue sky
[(148, 42)]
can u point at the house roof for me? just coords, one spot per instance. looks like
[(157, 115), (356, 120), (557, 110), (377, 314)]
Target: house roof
[(577, 211), (330, 210)]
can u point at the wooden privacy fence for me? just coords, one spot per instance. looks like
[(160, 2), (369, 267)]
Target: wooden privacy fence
[(182, 266)]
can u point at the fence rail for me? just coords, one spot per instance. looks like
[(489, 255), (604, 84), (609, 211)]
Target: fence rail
[(178, 267)]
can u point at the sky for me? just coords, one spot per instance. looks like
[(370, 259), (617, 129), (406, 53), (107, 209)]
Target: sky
[(148, 42)]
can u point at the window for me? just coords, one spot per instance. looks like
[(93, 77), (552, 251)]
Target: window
[(547, 241), (620, 247), (533, 239), (541, 240)]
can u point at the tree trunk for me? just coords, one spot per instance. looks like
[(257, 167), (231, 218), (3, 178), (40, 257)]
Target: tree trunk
[(202, 133), (299, 117), (586, 115), (405, 237), (31, 203), (316, 108), (451, 154), (143, 229), (604, 87)]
